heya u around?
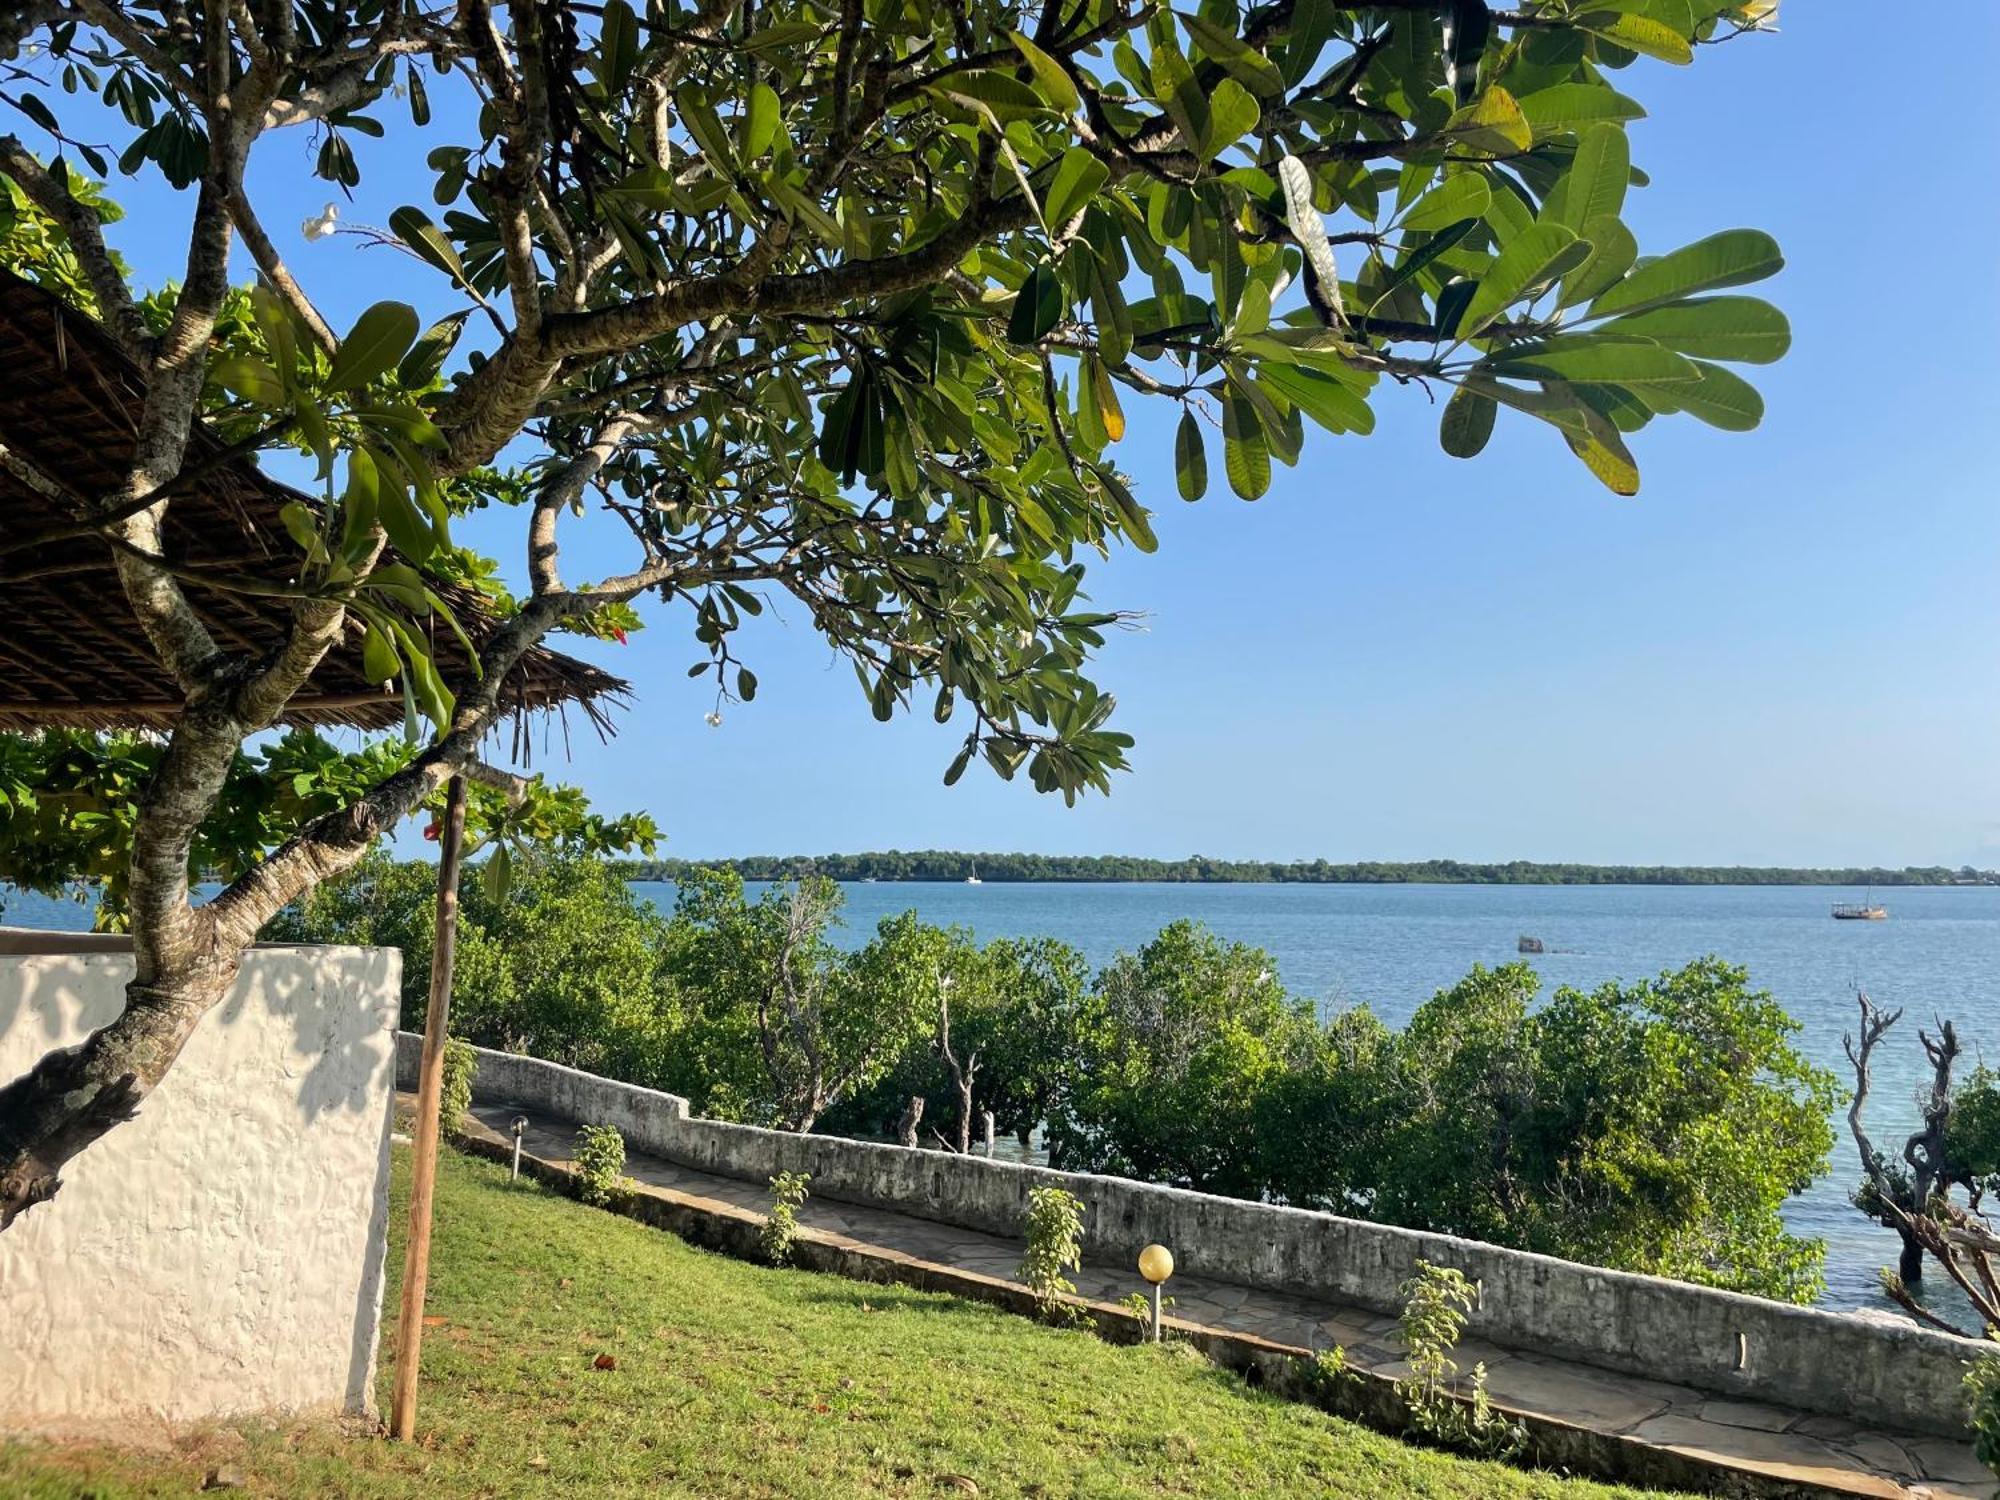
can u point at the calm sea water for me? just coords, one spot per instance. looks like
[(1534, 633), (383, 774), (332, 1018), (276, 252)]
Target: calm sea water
[(1393, 946)]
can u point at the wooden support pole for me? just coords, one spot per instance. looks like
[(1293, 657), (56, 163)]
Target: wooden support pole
[(430, 1093)]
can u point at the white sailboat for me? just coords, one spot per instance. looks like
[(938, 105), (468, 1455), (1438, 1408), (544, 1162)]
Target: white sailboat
[(973, 878)]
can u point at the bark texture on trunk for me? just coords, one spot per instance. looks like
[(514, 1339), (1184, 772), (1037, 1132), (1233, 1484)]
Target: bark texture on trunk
[(912, 1117)]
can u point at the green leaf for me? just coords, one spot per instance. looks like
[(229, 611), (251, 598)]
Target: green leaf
[(1232, 114), (379, 661), (1640, 34), (1253, 309), (1612, 252), (1190, 458), (1745, 329), (1452, 300), (1256, 71), (414, 228), (1588, 359), (1104, 398), (1721, 398), (617, 44), (427, 356), (302, 526), (422, 678), (1425, 253), (1038, 306), (782, 35), (1175, 89), (1565, 106), (275, 323), (1132, 517), (851, 423), (1534, 256), (1464, 195), (1078, 176), (407, 424), (1507, 215), (251, 378), (1467, 423), (1054, 82), (647, 187), (313, 428), (1492, 123), (1326, 400), (360, 505), (873, 443), (402, 583), (761, 116), (701, 122), (1246, 452), (1730, 258), (498, 873), (408, 528), (1312, 27), (990, 91), (380, 337), (1589, 434), (1594, 186)]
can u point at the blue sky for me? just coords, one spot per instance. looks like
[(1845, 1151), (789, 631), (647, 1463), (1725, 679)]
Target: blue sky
[(1782, 651)]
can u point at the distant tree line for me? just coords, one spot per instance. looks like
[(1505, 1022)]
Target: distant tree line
[(956, 865), (1653, 1126)]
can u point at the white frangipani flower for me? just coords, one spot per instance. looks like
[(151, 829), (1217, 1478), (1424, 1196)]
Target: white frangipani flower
[(713, 718), (319, 228)]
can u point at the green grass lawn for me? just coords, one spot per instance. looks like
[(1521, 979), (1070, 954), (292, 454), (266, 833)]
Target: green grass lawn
[(733, 1380)]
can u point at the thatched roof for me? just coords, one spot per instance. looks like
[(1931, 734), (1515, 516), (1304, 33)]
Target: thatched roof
[(71, 653)]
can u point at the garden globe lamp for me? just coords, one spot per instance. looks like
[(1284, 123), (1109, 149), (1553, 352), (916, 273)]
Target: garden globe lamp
[(1156, 1264)]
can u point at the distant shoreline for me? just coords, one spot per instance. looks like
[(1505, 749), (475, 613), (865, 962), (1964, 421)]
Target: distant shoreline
[(932, 866)]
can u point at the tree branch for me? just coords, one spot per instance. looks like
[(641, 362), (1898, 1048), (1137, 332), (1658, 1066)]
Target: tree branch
[(86, 237)]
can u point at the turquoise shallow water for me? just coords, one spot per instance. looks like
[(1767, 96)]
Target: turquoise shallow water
[(1393, 946)]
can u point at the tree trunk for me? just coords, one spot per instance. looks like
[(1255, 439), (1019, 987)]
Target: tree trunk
[(1910, 1264), (964, 1114), (74, 1095), (906, 1127)]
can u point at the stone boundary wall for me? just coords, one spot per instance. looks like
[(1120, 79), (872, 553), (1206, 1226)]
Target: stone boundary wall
[(223, 1252), (1895, 1374)]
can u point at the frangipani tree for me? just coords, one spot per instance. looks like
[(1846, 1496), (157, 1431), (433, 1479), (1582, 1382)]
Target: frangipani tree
[(841, 300)]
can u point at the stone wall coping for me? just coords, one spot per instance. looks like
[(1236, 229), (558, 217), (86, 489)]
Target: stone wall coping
[(1840, 1363)]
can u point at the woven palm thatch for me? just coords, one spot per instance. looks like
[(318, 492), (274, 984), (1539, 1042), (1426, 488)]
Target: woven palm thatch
[(71, 652)]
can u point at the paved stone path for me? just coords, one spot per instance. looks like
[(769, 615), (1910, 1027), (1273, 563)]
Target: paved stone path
[(1768, 1439)]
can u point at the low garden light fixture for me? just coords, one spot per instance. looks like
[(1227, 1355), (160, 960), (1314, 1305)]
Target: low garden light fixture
[(1156, 1264), (520, 1129)]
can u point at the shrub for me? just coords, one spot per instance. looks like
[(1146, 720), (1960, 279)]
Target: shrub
[(1435, 1302), (600, 1165), (566, 966), (461, 1064), (1330, 1372), (1055, 1245), (781, 1224), (1140, 1306), (1982, 1387)]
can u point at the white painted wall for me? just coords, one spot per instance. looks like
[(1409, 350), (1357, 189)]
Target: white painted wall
[(223, 1252)]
